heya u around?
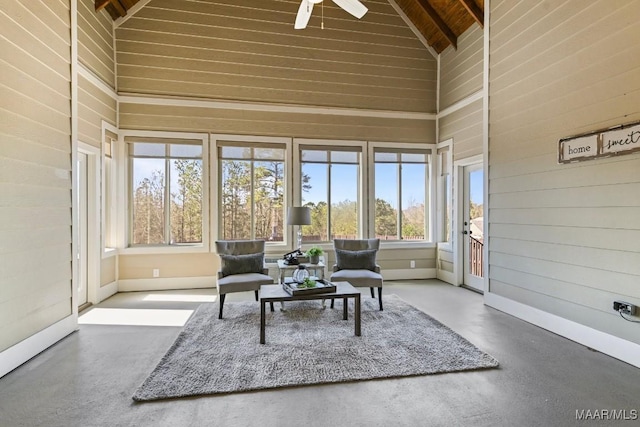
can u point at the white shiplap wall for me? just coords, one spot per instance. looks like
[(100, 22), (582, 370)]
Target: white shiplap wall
[(461, 69), (96, 42), (250, 52), (94, 105), (35, 167), (464, 126), (564, 238)]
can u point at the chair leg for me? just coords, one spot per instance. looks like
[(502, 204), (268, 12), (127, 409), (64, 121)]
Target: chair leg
[(256, 295), (372, 295), (379, 296), (221, 304)]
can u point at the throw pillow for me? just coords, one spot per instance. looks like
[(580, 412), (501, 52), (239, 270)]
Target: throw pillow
[(240, 264), (356, 260)]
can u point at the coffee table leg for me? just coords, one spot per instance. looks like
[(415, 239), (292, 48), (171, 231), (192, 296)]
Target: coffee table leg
[(345, 308), (263, 308), (357, 314)]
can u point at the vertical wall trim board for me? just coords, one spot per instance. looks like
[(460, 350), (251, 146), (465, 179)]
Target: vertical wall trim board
[(613, 346), (107, 290), (485, 144), (74, 155), (438, 59)]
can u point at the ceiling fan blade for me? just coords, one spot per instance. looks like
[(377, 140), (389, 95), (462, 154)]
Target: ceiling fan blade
[(304, 13), (354, 7)]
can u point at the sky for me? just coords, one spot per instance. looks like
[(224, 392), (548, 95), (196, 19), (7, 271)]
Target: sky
[(345, 181), (476, 186)]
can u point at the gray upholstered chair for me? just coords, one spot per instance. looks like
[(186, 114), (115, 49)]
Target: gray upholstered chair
[(242, 267), (356, 264)]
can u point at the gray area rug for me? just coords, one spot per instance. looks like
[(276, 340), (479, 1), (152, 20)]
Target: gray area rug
[(305, 344)]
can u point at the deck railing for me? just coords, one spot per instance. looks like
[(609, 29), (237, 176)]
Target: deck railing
[(475, 256)]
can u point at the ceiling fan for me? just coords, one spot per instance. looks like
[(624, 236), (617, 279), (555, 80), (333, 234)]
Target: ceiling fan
[(354, 7)]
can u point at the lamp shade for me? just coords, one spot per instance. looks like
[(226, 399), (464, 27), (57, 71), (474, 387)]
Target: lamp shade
[(299, 215)]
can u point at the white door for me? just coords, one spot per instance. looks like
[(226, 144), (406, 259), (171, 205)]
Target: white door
[(83, 208), (473, 226)]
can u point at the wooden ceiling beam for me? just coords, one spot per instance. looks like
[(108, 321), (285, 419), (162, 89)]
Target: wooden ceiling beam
[(438, 22), (122, 11), (474, 10), (101, 4)]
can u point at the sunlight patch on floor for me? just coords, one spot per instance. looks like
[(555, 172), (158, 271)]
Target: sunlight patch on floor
[(180, 298), (135, 317)]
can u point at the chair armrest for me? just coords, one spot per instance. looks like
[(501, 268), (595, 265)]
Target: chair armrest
[(377, 269), (220, 276)]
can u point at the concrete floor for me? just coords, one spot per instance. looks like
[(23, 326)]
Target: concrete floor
[(88, 378)]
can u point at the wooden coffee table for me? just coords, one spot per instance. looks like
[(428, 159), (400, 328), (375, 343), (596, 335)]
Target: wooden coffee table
[(275, 293)]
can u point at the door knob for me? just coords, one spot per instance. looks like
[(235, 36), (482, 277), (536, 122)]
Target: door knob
[(465, 232)]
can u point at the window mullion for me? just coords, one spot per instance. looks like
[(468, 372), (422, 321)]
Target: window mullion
[(329, 173), (167, 201), (399, 202), (252, 198)]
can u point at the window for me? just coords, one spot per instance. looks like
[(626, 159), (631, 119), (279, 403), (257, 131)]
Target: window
[(401, 179), (252, 189), (166, 192), (330, 187)]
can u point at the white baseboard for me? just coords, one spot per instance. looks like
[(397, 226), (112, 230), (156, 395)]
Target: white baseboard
[(107, 290), (446, 276), (18, 354), (166, 283), (409, 274), (619, 348)]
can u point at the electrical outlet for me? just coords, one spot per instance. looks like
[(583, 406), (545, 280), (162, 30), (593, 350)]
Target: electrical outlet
[(624, 307), (413, 264), (156, 272)]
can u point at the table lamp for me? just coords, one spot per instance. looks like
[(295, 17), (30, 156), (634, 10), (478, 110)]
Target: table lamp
[(299, 215)]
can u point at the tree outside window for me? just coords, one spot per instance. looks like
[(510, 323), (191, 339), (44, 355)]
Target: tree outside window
[(330, 185), (166, 193), (252, 192), (400, 194)]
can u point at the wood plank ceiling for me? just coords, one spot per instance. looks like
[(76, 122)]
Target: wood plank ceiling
[(439, 21)]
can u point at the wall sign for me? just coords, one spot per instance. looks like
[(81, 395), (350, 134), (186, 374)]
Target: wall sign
[(622, 139)]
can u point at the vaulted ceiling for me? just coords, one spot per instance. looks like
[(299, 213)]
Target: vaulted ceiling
[(440, 22)]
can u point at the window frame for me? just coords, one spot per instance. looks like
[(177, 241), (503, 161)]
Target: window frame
[(361, 146), (218, 140), (166, 137), (446, 148), (109, 155), (430, 191)]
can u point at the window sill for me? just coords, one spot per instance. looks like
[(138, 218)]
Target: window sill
[(384, 244), (109, 252), (406, 245), (151, 250)]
